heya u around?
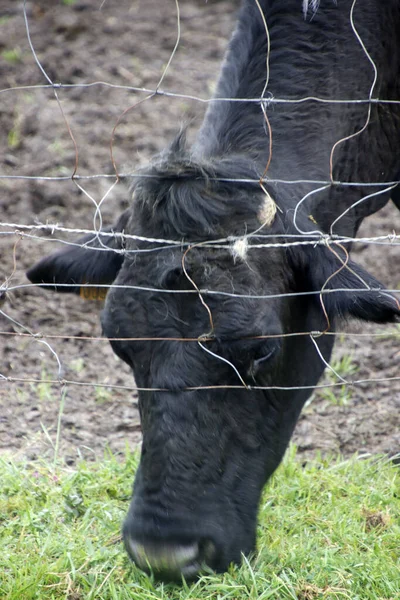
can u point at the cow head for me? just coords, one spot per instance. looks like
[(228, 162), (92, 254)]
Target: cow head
[(217, 333)]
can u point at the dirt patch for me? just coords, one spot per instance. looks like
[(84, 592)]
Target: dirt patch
[(128, 44)]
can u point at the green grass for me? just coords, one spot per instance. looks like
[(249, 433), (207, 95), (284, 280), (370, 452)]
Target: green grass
[(330, 530), (44, 391), (345, 368), (12, 56), (102, 395)]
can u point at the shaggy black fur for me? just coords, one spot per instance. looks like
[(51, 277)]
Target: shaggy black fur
[(208, 452)]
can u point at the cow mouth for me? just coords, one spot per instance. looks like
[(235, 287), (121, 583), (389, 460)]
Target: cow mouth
[(172, 561)]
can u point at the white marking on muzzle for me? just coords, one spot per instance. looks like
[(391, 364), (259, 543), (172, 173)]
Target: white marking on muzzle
[(164, 558)]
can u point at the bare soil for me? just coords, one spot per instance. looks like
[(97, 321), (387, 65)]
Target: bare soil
[(128, 43)]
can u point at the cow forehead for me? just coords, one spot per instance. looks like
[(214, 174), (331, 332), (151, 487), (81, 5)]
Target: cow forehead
[(182, 197), (168, 301), (230, 266)]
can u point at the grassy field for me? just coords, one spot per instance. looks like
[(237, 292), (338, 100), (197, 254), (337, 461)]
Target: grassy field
[(330, 529)]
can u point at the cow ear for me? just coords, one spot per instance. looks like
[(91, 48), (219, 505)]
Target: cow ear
[(93, 259), (354, 292)]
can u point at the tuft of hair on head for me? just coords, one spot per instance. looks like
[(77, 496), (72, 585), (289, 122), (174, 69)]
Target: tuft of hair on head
[(310, 4), (267, 212), (239, 249)]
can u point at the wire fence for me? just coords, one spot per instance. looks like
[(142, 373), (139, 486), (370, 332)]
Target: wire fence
[(13, 233)]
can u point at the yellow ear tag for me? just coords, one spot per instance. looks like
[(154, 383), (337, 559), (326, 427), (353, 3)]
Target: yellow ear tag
[(93, 293)]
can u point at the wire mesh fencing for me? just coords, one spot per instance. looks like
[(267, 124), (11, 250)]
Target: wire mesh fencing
[(90, 93)]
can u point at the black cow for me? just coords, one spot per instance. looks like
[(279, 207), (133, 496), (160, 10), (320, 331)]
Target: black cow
[(218, 411)]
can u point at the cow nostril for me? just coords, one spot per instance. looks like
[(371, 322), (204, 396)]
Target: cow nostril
[(207, 552), (171, 561)]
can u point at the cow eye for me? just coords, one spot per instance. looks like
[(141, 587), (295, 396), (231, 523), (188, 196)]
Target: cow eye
[(264, 354)]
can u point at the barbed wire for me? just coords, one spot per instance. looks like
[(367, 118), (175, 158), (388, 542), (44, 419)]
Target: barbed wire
[(316, 238)]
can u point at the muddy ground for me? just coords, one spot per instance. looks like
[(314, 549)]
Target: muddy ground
[(128, 44)]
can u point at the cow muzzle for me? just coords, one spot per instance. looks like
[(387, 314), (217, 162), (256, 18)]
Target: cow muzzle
[(171, 561)]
